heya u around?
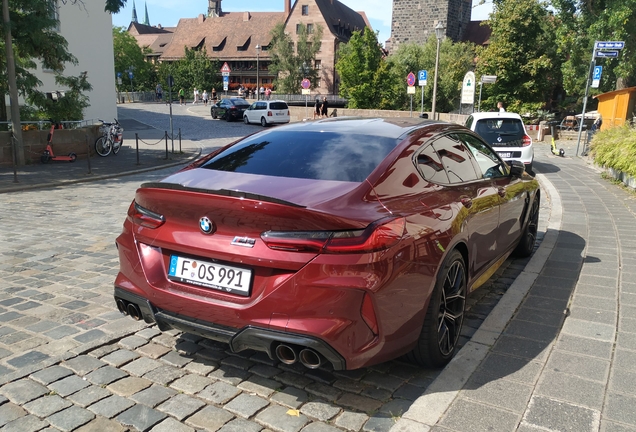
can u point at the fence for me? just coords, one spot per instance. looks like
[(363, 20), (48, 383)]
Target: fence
[(46, 124)]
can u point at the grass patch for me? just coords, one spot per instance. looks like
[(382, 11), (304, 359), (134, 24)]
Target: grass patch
[(615, 148)]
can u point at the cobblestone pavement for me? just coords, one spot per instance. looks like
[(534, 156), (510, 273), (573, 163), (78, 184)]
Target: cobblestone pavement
[(69, 361)]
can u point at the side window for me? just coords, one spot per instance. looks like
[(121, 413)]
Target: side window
[(469, 122), (456, 159), (430, 166), (487, 160), (261, 106)]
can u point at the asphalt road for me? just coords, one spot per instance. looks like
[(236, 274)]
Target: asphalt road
[(70, 361)]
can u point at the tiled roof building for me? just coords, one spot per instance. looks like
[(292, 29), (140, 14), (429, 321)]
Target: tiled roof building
[(156, 38), (232, 37)]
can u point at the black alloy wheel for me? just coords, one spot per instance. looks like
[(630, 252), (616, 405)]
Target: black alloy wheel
[(529, 235), (450, 314)]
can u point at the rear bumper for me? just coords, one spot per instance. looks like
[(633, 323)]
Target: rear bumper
[(249, 337)]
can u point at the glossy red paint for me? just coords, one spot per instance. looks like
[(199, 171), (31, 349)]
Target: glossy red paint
[(366, 303)]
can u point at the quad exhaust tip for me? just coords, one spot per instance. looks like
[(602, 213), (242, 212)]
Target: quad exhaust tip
[(121, 306), (310, 358), (286, 354), (133, 311)]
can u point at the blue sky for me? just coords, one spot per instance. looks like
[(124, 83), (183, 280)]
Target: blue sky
[(168, 12)]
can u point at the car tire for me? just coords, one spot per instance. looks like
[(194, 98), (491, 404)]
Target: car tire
[(529, 234), (213, 113), (228, 117), (246, 120), (263, 122), (529, 169), (444, 316)]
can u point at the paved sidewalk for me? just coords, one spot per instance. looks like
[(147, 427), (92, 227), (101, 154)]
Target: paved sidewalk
[(558, 353), (152, 155)]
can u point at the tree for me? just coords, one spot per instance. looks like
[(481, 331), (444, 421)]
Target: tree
[(290, 62), (582, 23), (194, 70), (523, 54), (129, 55), (71, 105), (365, 78), (455, 59), (34, 37)]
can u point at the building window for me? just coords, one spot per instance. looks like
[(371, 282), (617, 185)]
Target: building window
[(310, 28), (305, 9), (318, 65), (298, 28)]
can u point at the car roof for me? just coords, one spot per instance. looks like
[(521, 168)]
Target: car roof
[(495, 115), (389, 127)]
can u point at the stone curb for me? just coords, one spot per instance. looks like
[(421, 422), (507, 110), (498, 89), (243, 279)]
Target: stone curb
[(429, 408)]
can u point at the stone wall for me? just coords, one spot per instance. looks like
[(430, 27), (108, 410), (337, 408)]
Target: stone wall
[(414, 21), (65, 141), (300, 113)]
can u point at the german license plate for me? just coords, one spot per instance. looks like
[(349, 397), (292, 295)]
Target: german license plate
[(505, 155), (280, 113), (213, 275)]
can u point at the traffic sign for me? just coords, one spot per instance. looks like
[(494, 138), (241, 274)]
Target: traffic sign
[(130, 75), (226, 68), (422, 77), (410, 79), (118, 74), (596, 77), (225, 73), (305, 84), (614, 45), (606, 54)]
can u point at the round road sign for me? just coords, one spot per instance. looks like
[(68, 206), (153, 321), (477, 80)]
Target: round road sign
[(410, 79), (305, 83)]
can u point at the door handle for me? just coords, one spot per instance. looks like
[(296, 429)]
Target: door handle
[(467, 202)]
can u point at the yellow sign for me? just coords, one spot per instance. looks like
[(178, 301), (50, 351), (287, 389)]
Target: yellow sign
[(410, 90)]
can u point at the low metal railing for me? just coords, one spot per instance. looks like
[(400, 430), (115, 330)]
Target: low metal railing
[(45, 124)]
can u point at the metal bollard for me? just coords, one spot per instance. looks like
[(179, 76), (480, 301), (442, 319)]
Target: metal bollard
[(166, 136), (180, 141), (137, 146), (88, 154)]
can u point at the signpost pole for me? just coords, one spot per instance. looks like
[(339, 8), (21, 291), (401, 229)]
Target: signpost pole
[(587, 92)]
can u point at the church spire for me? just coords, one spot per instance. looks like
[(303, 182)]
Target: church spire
[(146, 20), (134, 13)]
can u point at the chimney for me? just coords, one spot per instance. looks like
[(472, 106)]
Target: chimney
[(246, 16), (201, 18), (287, 7)]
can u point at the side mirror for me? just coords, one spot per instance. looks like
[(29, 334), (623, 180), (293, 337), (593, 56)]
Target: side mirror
[(517, 168)]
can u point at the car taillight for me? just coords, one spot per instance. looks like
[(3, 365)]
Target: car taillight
[(269, 114), (144, 217), (368, 314), (526, 140), (378, 236), (288, 112)]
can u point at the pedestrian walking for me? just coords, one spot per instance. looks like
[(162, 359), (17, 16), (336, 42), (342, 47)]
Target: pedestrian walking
[(204, 96), (159, 92), (324, 107), (196, 96), (214, 94), (317, 108), (261, 91), (500, 107), (268, 92), (181, 96)]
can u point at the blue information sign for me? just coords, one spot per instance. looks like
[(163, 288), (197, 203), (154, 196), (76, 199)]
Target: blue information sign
[(130, 75), (616, 45), (610, 54), (422, 75), (597, 72)]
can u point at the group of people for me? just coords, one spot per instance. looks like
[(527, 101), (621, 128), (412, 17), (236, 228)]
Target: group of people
[(204, 97), (321, 107), (249, 93)]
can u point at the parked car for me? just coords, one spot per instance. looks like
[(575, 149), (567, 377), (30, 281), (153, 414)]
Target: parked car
[(342, 241), (229, 109), (267, 112), (506, 133)]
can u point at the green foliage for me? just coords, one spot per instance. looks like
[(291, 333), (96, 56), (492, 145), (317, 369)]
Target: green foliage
[(290, 62), (455, 59), (33, 30), (68, 107), (194, 70), (582, 23), (523, 54), (128, 55), (615, 148), (363, 71)]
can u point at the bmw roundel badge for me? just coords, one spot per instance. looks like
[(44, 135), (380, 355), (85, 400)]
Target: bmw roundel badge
[(206, 225)]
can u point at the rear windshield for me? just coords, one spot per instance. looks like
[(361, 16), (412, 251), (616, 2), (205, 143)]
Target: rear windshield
[(507, 132), (306, 155), (278, 105), (240, 102)]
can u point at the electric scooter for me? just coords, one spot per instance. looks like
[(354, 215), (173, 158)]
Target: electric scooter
[(48, 151), (553, 149)]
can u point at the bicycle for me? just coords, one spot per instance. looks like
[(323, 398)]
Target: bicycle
[(111, 140)]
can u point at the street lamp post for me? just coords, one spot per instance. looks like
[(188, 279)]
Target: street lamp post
[(439, 33), (258, 89)]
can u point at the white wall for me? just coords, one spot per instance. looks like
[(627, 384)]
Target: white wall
[(89, 33)]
